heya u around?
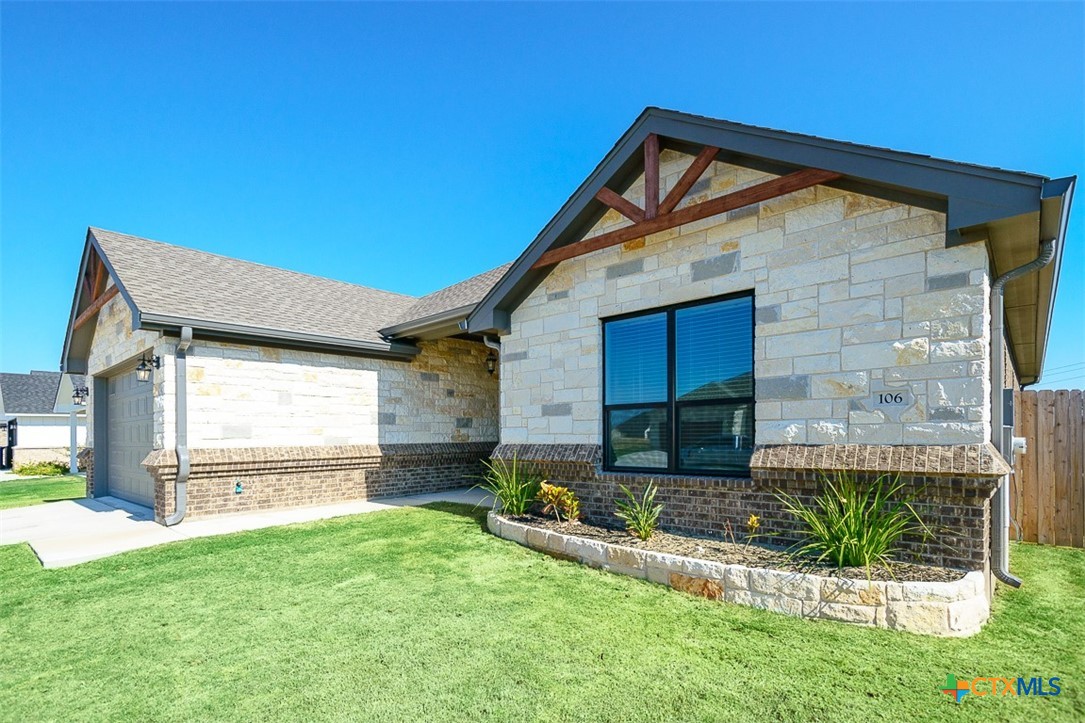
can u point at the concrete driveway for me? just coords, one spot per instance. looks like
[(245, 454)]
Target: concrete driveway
[(74, 531)]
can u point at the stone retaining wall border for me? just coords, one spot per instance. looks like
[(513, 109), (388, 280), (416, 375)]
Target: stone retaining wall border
[(946, 609)]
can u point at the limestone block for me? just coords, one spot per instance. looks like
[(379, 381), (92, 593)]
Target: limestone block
[(514, 531), (928, 618), (658, 566), (824, 431), (844, 384), (933, 591), (845, 613), (591, 552), (944, 304), (701, 587), (626, 558), (703, 568), (944, 351), (825, 341), (777, 604), (785, 431), (736, 577), (853, 592), (789, 584), (851, 312), (968, 616)]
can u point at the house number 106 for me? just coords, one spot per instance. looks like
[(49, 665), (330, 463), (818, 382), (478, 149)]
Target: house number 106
[(890, 398)]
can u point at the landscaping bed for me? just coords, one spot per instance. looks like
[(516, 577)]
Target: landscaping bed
[(752, 555), (958, 608)]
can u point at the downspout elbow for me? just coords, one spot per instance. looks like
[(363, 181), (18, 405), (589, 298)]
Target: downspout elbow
[(180, 484)]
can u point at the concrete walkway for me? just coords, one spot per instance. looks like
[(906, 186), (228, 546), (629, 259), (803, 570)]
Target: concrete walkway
[(74, 531)]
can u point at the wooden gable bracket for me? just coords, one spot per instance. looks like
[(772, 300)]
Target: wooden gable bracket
[(94, 281), (665, 217)]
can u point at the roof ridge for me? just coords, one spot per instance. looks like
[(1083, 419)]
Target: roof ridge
[(234, 259)]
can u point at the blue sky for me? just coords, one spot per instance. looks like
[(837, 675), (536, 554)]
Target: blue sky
[(410, 146)]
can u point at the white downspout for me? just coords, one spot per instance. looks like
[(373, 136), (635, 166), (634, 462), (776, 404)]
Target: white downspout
[(1000, 437)]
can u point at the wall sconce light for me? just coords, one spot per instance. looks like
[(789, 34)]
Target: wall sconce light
[(491, 363), (79, 396), (143, 371)]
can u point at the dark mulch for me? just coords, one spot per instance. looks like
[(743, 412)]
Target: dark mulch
[(752, 555)]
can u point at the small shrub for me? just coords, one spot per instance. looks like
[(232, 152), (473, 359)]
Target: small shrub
[(42, 469), (641, 516), (513, 487), (855, 525), (561, 502)]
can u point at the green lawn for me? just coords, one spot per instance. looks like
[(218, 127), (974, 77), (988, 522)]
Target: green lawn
[(34, 491), (418, 615)]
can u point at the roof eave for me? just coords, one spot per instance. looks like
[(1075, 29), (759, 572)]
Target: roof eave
[(428, 324), (277, 337), (1056, 198)]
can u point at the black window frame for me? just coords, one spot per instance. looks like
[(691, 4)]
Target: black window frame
[(672, 405)]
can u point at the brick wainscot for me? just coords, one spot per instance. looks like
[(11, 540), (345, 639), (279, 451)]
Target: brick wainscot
[(953, 485)]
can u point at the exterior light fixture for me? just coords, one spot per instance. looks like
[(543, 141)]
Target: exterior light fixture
[(79, 396), (143, 371), (491, 363)]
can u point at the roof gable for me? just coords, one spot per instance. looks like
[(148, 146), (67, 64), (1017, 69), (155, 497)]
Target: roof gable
[(168, 287), (975, 199)]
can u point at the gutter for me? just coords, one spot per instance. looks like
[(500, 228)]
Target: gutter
[(1001, 436), (276, 337), (180, 483), (412, 327)]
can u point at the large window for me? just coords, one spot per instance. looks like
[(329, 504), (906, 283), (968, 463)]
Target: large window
[(678, 388)]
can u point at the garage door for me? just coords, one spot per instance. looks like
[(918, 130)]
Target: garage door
[(130, 428)]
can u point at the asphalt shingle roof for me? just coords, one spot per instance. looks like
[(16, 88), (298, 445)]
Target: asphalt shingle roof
[(185, 283), (459, 295), (33, 393)]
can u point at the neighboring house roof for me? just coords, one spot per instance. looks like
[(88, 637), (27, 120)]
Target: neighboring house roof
[(169, 287), (33, 393), (1010, 211), (439, 313)]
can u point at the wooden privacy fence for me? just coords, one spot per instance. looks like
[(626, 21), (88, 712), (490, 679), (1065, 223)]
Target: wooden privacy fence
[(1047, 498)]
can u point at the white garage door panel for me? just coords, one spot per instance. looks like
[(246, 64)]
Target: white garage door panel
[(130, 429)]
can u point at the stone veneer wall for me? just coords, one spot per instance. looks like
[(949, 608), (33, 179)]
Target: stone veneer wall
[(276, 477), (853, 295), (246, 396), (243, 395), (954, 485)]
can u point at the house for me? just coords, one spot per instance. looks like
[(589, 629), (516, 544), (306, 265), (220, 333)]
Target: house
[(42, 406), (725, 309)]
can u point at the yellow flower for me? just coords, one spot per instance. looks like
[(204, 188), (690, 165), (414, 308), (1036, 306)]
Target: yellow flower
[(754, 522)]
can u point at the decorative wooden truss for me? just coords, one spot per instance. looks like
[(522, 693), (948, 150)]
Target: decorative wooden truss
[(659, 215), (95, 279)]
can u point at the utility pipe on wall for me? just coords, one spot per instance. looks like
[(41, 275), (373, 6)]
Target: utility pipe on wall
[(999, 436), (180, 483)]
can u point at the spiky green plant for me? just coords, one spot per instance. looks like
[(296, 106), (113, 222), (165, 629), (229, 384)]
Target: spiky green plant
[(856, 525), (641, 515), (514, 487)]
